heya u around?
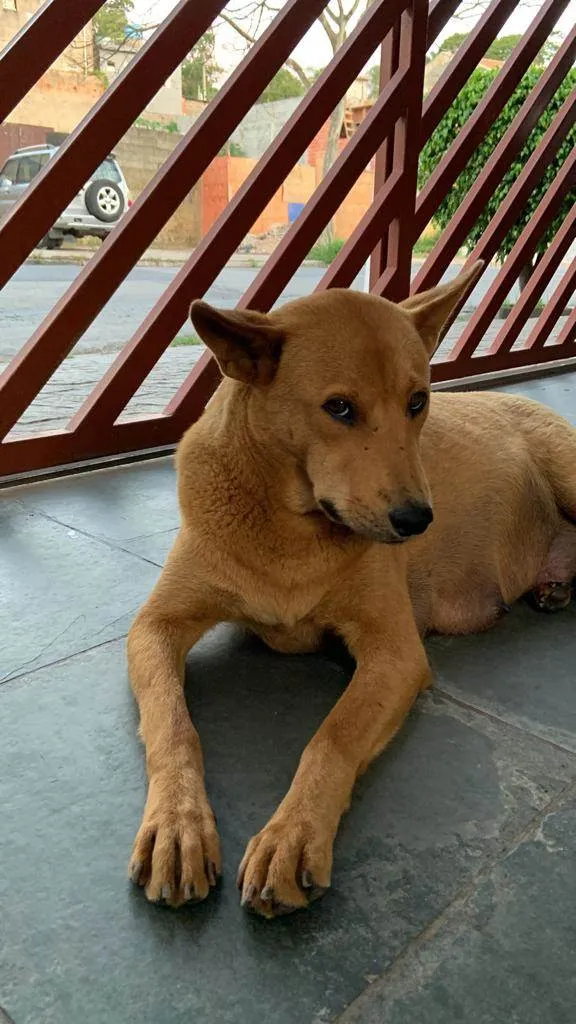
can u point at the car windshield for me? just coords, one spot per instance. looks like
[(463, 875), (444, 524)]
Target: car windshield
[(108, 169)]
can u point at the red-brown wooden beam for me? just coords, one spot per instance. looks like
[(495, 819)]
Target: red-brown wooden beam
[(396, 210), (52, 341), (293, 248), (442, 370), (37, 45), (406, 153), (145, 348), (565, 339), (455, 234), (523, 250), (389, 63), (438, 16), (98, 132), (490, 106)]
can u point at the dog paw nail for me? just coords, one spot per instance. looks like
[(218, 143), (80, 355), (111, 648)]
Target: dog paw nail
[(307, 880), (135, 871), (248, 895), (187, 893), (211, 872), (166, 892), (267, 893)]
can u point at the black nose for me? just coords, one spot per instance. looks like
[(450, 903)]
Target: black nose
[(411, 518)]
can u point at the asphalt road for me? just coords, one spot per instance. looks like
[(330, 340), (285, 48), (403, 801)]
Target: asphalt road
[(29, 296)]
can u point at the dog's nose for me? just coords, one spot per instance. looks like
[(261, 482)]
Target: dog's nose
[(411, 518)]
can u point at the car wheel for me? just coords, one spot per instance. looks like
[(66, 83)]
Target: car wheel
[(104, 200), (53, 243)]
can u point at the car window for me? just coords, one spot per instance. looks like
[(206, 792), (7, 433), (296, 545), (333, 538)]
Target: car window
[(29, 166), (108, 169), (9, 170)]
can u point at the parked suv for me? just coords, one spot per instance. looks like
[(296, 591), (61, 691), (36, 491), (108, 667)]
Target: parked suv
[(94, 211)]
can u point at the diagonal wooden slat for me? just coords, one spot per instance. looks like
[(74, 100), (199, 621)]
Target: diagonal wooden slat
[(99, 131), (97, 282), (556, 303), (144, 349), (522, 250), (538, 282), (485, 113), (510, 144)]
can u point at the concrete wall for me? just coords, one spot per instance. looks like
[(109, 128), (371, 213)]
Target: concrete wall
[(167, 101), (262, 124), (140, 154)]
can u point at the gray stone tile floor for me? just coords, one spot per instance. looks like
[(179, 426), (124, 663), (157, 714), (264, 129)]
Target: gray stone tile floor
[(454, 889)]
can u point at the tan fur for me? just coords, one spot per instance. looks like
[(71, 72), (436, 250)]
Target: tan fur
[(255, 547)]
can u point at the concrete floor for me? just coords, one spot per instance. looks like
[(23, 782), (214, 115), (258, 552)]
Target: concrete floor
[(454, 890)]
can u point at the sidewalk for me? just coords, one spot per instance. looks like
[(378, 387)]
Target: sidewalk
[(151, 258), (79, 374)]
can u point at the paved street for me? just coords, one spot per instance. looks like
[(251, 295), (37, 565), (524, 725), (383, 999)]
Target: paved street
[(33, 290)]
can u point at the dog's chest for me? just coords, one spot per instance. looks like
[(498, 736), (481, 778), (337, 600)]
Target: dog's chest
[(280, 601)]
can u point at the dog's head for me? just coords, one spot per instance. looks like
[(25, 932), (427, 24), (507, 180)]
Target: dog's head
[(340, 380)]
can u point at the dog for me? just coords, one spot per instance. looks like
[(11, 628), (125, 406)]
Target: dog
[(325, 490)]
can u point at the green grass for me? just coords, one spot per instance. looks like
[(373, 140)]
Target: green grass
[(425, 244), (186, 339), (325, 252)]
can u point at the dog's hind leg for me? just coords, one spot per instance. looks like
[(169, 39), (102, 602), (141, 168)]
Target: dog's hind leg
[(176, 854), (554, 450), (553, 588)]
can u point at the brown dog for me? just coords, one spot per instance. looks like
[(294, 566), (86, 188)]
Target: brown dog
[(297, 487)]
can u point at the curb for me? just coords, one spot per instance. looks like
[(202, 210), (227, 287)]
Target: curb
[(79, 257)]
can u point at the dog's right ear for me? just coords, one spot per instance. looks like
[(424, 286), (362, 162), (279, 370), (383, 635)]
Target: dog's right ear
[(247, 345)]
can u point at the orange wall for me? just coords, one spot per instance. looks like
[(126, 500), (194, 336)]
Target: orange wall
[(225, 176)]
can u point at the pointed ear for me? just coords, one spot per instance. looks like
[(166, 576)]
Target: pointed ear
[(246, 343), (430, 310)]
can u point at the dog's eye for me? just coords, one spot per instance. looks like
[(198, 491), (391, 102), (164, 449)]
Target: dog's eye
[(417, 402), (340, 409)]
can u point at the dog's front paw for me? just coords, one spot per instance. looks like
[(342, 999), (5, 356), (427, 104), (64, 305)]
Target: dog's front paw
[(286, 866), (176, 854)]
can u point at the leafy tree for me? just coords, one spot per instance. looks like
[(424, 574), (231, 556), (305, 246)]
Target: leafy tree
[(453, 42), (502, 46), (110, 23), (200, 70), (283, 86), (456, 117)]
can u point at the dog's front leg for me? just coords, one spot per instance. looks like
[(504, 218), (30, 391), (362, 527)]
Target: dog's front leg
[(289, 863), (176, 854)]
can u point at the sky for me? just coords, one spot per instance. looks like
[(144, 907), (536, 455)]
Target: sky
[(314, 50)]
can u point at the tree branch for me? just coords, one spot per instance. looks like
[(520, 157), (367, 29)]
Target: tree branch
[(290, 63), (332, 35), (335, 19)]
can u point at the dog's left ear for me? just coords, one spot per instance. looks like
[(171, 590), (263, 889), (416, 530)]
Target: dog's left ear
[(247, 345), (430, 310)]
